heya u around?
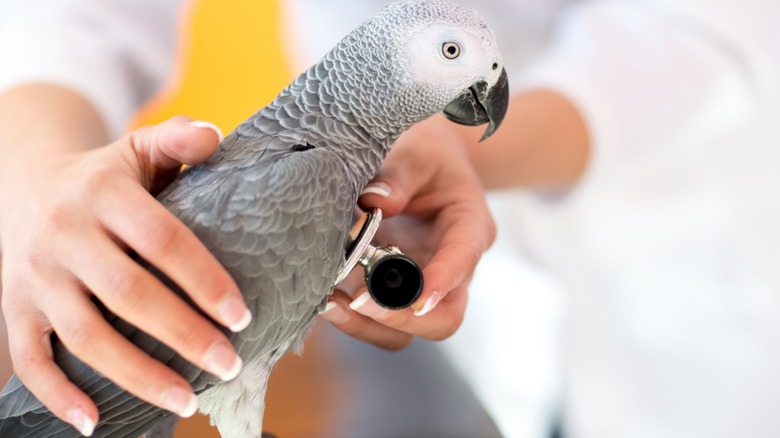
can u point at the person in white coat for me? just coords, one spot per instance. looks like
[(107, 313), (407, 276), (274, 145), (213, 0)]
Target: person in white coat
[(663, 242), (642, 133)]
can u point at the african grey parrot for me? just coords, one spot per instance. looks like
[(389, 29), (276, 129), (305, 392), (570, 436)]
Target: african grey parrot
[(275, 202)]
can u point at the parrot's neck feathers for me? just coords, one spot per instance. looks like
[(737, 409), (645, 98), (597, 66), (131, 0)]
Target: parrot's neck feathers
[(354, 95), (359, 83), (317, 109)]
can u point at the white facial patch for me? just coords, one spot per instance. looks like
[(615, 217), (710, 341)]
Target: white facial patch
[(428, 62)]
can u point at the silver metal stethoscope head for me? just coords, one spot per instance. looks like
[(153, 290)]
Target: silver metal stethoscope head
[(393, 279)]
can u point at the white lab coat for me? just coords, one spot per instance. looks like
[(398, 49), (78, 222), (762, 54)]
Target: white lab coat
[(667, 249)]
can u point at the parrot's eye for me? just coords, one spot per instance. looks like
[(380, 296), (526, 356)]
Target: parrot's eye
[(450, 49)]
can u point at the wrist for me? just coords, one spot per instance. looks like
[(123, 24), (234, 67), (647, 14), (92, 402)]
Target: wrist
[(40, 123), (40, 119), (542, 144)]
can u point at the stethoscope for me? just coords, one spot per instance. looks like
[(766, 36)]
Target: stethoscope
[(393, 279)]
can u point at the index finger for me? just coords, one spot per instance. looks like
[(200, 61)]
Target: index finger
[(160, 238), (467, 232)]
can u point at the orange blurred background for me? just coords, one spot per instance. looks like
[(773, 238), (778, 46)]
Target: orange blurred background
[(230, 63)]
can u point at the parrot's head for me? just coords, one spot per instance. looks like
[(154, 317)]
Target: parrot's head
[(436, 56)]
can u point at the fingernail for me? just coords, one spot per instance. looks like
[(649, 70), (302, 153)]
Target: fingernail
[(234, 312), (364, 305), (213, 127), (334, 313), (81, 421), (222, 362), (430, 303), (180, 401), (377, 188)]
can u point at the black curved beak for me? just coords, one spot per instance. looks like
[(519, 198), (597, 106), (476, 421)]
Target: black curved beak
[(478, 105)]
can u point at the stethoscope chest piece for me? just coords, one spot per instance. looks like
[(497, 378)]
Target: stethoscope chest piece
[(393, 279)]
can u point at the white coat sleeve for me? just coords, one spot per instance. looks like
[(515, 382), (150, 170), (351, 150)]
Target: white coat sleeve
[(115, 53), (660, 73)]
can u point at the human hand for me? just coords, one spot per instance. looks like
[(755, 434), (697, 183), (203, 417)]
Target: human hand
[(67, 223), (436, 213)]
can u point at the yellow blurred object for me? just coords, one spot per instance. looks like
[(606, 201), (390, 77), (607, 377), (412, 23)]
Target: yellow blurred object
[(230, 63)]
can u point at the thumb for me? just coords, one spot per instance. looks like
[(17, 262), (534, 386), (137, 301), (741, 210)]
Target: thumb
[(414, 168), (160, 150), (402, 177)]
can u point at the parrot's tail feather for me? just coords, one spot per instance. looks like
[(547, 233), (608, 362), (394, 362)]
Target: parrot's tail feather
[(236, 407)]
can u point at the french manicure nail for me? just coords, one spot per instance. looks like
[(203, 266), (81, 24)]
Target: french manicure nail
[(81, 421), (209, 125), (430, 304), (364, 305), (222, 362), (334, 313), (180, 401), (234, 312), (378, 188)]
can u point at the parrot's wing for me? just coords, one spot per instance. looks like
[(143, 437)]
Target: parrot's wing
[(23, 416), (282, 242), (17, 400)]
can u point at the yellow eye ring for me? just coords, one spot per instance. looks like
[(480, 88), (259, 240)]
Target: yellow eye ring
[(450, 49)]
